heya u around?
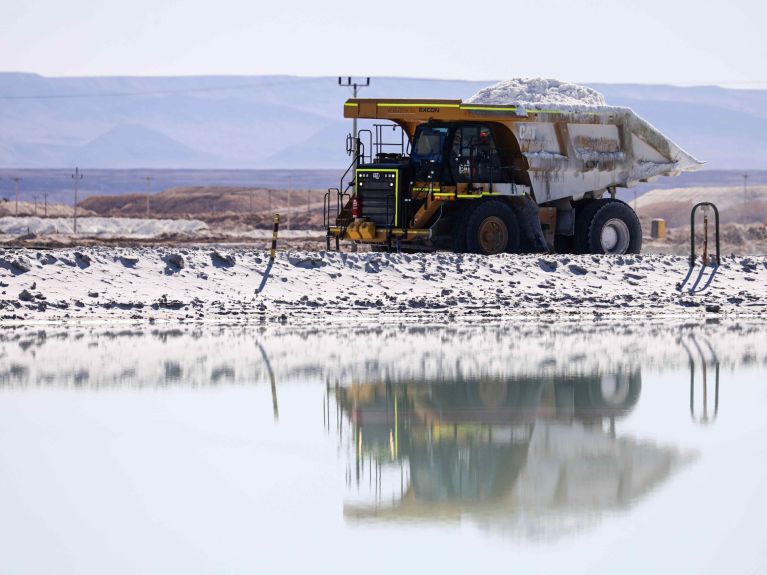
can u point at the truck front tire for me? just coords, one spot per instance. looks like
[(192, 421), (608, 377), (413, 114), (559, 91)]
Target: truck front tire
[(489, 227), (607, 227)]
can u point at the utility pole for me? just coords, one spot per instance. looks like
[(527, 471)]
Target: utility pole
[(745, 188), (289, 216), (355, 86), (16, 181), (45, 196), (148, 191), (308, 200), (77, 176)]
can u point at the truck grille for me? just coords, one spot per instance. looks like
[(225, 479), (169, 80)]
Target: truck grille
[(377, 194)]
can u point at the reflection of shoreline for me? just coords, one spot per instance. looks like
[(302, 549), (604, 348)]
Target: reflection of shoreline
[(98, 357), (497, 452)]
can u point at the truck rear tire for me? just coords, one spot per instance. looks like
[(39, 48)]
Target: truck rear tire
[(615, 392), (489, 228), (607, 227)]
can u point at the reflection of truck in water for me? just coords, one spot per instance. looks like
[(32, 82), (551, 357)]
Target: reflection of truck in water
[(499, 446), (491, 179)]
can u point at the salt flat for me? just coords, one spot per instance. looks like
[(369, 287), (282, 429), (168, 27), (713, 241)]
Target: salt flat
[(85, 355), (203, 283)]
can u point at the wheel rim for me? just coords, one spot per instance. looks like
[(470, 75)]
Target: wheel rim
[(615, 237), (493, 235), (614, 389)]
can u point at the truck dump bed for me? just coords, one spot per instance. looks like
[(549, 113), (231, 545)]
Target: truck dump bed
[(568, 151)]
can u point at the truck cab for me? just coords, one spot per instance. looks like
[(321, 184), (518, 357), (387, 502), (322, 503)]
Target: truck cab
[(454, 153), (417, 198)]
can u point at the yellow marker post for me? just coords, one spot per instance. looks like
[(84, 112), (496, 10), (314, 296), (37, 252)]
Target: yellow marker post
[(275, 229), (658, 229)]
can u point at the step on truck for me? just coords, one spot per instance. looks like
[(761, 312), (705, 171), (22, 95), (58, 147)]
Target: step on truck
[(492, 179)]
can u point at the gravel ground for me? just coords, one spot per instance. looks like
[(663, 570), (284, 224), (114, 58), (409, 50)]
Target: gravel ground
[(203, 284)]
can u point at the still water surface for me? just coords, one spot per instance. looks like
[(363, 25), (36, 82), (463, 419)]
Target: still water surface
[(450, 450)]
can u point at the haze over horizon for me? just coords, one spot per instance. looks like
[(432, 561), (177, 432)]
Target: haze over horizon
[(657, 42), (744, 85), (161, 84), (297, 122)]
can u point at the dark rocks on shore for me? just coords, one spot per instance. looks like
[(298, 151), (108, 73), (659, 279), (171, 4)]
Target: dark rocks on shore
[(577, 269), (82, 260), (221, 260), (174, 262), (128, 262), (18, 265), (547, 265)]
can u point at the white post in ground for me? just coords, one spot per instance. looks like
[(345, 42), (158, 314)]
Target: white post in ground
[(77, 176)]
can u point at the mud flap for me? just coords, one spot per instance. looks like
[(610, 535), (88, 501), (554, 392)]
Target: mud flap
[(531, 235)]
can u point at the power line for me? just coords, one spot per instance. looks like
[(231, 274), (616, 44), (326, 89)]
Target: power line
[(301, 80), (150, 92)]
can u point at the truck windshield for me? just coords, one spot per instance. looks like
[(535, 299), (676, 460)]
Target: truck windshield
[(429, 143)]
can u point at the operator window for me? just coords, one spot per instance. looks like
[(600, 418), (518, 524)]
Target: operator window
[(473, 156)]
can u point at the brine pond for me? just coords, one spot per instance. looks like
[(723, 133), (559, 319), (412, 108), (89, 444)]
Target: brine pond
[(577, 448)]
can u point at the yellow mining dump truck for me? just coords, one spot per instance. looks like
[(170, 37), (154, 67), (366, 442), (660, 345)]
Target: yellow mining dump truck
[(500, 451), (490, 179)]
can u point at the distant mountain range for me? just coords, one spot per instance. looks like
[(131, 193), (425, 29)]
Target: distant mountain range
[(279, 122)]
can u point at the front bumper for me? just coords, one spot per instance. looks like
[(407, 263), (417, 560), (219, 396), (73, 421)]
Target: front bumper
[(366, 232)]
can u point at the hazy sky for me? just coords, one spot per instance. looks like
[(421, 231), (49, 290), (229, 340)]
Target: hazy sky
[(652, 41)]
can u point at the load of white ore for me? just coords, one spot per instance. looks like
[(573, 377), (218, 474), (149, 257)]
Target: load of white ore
[(535, 92), (542, 93)]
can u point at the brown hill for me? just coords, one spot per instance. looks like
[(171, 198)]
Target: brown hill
[(303, 207), (735, 205), (40, 209)]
